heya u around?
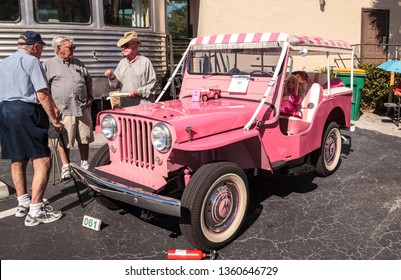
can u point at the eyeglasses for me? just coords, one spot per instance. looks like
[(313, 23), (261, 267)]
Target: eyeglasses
[(72, 47)]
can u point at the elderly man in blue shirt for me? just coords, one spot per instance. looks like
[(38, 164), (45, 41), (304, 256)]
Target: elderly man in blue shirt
[(25, 109)]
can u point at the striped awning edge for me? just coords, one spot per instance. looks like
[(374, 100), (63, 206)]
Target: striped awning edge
[(296, 42)]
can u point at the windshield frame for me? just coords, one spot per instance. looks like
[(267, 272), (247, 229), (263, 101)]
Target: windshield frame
[(254, 59)]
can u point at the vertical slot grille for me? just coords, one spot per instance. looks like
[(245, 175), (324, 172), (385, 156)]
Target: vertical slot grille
[(135, 144)]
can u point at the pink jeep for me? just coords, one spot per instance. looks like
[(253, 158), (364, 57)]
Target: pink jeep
[(190, 159), (206, 94)]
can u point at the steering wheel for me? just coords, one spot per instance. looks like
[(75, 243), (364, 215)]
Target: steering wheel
[(264, 73), (234, 71)]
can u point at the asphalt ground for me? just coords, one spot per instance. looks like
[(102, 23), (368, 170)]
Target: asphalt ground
[(354, 214)]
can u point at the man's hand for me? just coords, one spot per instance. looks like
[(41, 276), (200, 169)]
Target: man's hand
[(89, 101), (133, 93), (110, 74), (58, 125)]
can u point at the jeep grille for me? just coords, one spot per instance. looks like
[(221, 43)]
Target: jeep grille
[(135, 144)]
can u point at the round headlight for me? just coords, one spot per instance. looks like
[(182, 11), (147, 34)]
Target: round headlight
[(161, 137), (109, 127)]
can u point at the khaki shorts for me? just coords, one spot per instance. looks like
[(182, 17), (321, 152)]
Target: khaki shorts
[(78, 128)]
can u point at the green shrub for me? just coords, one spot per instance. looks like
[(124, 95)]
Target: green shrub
[(376, 89), (324, 70)]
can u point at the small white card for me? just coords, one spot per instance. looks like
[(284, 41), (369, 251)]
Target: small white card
[(239, 84), (195, 95), (91, 223)]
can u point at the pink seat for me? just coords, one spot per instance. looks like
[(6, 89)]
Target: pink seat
[(311, 101), (334, 83), (293, 125)]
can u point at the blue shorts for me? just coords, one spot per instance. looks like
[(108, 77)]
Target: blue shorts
[(24, 131)]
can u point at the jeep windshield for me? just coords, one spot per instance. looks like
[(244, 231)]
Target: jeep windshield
[(229, 61)]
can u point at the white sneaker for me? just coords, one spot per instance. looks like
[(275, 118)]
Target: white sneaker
[(85, 164), (46, 215), (65, 172), (22, 211)]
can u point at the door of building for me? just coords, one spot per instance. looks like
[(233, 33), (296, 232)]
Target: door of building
[(375, 32)]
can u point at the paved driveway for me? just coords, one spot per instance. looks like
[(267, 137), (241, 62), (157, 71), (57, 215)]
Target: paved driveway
[(353, 214)]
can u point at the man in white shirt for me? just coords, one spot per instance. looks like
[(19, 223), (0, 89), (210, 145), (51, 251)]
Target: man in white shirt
[(134, 74)]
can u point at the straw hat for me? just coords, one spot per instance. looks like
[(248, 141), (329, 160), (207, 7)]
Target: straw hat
[(128, 37)]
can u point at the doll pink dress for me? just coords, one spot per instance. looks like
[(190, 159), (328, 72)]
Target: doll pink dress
[(288, 106)]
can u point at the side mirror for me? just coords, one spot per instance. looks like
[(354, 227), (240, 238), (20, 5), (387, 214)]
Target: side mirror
[(303, 52)]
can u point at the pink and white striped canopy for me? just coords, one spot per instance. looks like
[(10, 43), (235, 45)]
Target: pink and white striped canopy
[(296, 42)]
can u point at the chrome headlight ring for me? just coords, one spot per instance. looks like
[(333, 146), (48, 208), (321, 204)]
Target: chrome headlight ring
[(109, 127), (161, 137)]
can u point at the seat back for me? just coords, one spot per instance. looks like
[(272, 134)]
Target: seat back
[(311, 101), (317, 77)]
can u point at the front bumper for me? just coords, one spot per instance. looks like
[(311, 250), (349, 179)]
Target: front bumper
[(133, 194)]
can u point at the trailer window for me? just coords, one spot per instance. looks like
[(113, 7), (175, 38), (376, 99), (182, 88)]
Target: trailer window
[(130, 13), (67, 11), (10, 11)]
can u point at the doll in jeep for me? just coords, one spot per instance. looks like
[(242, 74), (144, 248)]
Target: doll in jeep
[(293, 90)]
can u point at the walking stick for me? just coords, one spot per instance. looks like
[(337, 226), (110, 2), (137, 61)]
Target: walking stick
[(53, 136), (68, 159)]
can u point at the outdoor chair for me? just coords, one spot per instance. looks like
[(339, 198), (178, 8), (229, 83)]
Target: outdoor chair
[(396, 109)]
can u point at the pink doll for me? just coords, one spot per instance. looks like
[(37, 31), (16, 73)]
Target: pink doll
[(292, 88)]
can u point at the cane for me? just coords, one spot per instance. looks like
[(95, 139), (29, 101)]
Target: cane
[(61, 139), (53, 136)]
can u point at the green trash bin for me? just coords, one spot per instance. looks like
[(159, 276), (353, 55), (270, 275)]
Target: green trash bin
[(359, 81)]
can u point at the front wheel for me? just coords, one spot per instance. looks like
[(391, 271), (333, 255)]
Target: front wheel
[(101, 157), (327, 158), (214, 204)]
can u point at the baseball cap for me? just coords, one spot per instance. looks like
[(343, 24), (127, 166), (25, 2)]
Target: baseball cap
[(128, 37), (30, 38)]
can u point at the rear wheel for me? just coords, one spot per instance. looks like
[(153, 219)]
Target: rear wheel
[(214, 205), (100, 158), (327, 158)]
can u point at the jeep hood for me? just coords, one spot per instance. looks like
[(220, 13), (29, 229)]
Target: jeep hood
[(201, 119)]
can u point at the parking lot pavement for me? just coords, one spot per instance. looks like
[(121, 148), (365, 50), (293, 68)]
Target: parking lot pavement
[(353, 214)]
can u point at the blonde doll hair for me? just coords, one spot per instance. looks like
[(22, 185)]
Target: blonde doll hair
[(296, 82), (300, 85)]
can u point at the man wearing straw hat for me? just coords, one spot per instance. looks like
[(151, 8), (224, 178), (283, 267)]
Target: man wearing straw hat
[(134, 73)]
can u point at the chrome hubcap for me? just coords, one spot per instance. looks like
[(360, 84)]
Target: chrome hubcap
[(221, 207), (330, 149)]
